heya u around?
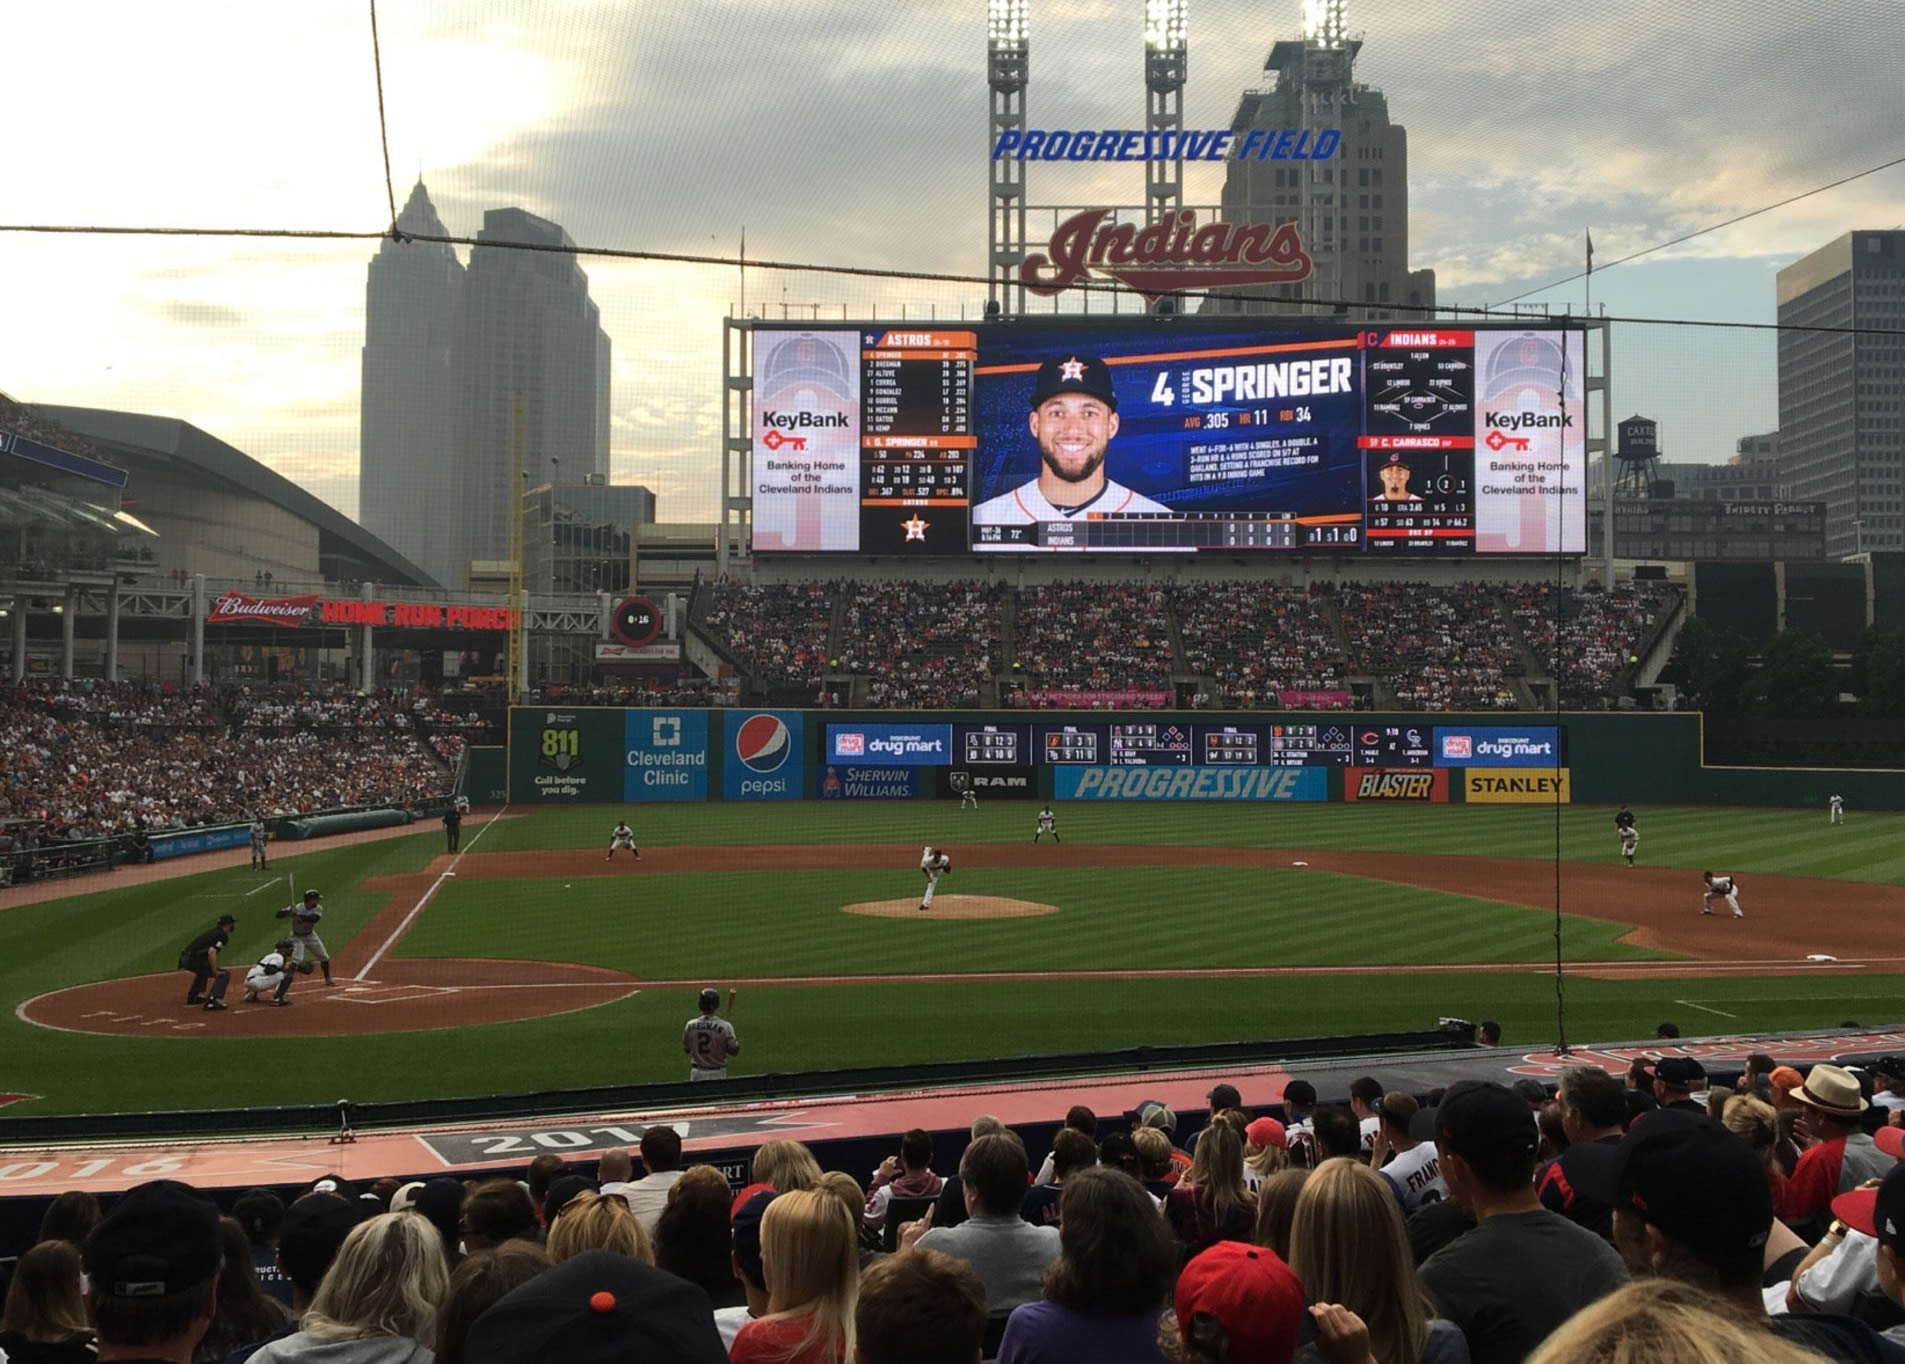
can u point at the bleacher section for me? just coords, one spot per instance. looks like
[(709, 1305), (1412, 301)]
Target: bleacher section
[(1255, 640)]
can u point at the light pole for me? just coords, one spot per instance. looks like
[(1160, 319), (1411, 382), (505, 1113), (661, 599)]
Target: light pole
[(1007, 61)]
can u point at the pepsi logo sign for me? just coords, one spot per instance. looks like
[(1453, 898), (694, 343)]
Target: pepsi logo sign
[(762, 743)]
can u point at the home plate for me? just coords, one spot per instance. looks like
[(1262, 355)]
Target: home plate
[(1820, 956)]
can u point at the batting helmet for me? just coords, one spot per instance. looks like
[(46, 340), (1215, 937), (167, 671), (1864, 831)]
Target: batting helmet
[(710, 1000)]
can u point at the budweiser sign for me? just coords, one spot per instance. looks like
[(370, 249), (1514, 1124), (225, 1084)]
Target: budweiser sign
[(236, 608), (1171, 254)]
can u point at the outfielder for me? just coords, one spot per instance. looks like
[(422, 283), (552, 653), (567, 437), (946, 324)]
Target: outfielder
[(709, 1040), (968, 800), (271, 976), (258, 844), (1726, 888), (305, 941), (933, 864), (1835, 810), (621, 836), (1047, 824)]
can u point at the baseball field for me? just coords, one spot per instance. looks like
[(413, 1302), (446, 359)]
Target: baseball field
[(529, 962)]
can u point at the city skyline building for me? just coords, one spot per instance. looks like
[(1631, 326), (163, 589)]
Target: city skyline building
[(404, 454), (1842, 390), (1351, 207)]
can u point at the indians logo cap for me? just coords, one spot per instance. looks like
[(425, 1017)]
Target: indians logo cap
[(762, 743)]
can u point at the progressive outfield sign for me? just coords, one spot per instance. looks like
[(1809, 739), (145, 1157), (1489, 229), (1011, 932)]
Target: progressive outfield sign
[(1191, 783)]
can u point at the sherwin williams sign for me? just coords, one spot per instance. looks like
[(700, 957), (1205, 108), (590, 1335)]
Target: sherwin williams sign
[(853, 781), (762, 755), (665, 755), (1191, 783)]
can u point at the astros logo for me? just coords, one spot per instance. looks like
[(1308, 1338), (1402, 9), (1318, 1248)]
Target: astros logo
[(762, 743)]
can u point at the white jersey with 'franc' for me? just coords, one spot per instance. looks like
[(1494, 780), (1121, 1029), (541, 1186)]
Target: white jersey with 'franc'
[(709, 1042)]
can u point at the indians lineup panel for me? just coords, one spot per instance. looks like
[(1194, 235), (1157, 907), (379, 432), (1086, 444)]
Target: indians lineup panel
[(1206, 435)]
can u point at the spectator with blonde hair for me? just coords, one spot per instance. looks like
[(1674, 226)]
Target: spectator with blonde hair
[(1349, 1246), (45, 1317), (810, 1257), (1662, 1321), (1211, 1204), (1276, 1209), (1756, 1122), (381, 1295), (593, 1221), (1154, 1155), (477, 1284), (1266, 1151), (1109, 1285), (785, 1166)]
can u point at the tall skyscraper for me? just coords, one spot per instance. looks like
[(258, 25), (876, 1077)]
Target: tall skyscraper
[(404, 461), (1352, 207), (526, 331), (1841, 393)]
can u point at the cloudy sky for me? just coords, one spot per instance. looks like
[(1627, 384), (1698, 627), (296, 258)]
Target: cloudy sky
[(847, 131)]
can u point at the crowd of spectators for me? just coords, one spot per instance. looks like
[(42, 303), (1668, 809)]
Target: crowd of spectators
[(777, 632), (1256, 639), (1657, 1216), (1586, 638), (1093, 637), (94, 760), (922, 644), (1443, 647)]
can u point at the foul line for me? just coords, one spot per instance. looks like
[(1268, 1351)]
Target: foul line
[(428, 895), (266, 886), (1704, 1009)]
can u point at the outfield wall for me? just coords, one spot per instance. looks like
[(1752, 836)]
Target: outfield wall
[(605, 755)]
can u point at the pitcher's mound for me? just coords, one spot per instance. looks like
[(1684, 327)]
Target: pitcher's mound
[(953, 907)]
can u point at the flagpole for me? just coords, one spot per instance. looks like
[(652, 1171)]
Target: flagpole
[(1587, 288)]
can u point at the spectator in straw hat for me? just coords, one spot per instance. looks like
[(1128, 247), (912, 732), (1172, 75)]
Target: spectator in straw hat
[(1838, 1157)]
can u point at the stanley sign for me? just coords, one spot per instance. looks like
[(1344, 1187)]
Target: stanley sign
[(1517, 786)]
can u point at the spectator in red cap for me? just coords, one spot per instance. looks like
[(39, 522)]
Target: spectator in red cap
[(1838, 1156), (1265, 1151), (1880, 1213), (1523, 1270), (1236, 1304)]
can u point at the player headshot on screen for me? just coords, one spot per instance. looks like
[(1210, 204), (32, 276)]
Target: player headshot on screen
[(1395, 481), (1074, 418)]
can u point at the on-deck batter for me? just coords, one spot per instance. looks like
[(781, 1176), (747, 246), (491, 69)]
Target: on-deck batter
[(709, 1041)]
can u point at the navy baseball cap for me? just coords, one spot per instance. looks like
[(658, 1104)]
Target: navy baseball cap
[(1680, 1072), (599, 1308), (158, 1240), (1698, 1183), (747, 1235), (1485, 1122), (1085, 374), (1396, 457)]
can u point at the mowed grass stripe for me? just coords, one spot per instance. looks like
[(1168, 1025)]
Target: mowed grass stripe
[(790, 923), (1869, 847)]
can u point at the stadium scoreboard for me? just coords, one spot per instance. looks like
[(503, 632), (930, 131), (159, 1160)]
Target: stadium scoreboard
[(1215, 435), (1148, 742), (993, 744)]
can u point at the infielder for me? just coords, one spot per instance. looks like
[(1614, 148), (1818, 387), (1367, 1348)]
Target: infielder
[(1726, 888), (1835, 810), (709, 1040), (621, 836), (271, 976), (305, 941), (1630, 840), (933, 864), (258, 837), (1047, 824)]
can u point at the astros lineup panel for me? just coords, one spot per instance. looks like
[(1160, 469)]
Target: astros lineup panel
[(1168, 436)]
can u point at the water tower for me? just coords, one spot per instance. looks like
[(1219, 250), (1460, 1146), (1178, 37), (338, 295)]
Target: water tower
[(1638, 453)]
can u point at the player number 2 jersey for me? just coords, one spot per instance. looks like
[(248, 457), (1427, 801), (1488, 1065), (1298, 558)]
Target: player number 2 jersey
[(710, 1042)]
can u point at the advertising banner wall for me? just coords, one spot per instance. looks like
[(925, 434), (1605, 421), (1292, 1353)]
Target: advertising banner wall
[(1191, 783), (856, 781), (1406, 784), (1497, 746), (986, 783), (565, 756), (890, 745), (1508, 786), (665, 755), (761, 757)]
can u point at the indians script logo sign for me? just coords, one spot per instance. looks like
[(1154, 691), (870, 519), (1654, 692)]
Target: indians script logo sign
[(237, 607), (1171, 254)]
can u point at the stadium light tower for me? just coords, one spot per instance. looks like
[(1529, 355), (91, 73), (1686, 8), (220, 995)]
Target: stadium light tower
[(1323, 22), (1166, 56), (1006, 63)]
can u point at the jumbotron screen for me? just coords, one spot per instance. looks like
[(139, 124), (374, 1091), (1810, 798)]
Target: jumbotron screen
[(1107, 436)]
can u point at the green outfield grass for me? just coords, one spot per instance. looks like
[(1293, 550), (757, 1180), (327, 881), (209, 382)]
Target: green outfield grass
[(726, 925)]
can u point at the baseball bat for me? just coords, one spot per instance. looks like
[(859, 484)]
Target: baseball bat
[(729, 1015)]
